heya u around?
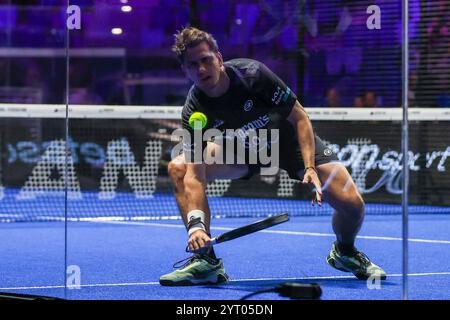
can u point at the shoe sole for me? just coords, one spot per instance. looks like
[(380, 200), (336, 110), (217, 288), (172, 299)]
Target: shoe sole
[(213, 280)]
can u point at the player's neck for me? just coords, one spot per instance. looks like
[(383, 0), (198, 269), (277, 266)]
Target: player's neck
[(222, 85)]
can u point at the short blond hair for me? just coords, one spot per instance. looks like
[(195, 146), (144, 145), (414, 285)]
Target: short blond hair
[(190, 37)]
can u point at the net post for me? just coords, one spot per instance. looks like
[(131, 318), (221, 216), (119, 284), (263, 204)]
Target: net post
[(405, 145)]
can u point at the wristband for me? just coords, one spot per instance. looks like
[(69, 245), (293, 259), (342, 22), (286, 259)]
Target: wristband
[(306, 169), (196, 221)]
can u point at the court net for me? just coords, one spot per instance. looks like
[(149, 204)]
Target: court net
[(117, 164)]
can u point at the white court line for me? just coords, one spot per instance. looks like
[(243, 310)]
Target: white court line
[(297, 233), (125, 284)]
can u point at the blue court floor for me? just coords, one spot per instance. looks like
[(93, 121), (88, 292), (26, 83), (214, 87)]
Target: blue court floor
[(123, 260)]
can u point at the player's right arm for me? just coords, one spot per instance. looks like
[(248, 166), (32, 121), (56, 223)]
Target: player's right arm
[(194, 187), (195, 181)]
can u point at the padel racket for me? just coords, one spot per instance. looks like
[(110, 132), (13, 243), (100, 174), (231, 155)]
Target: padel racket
[(250, 228)]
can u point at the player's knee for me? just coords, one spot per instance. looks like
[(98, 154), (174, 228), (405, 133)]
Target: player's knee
[(176, 171), (356, 208)]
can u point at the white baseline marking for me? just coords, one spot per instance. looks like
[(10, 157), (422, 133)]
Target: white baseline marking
[(297, 233), (234, 280)]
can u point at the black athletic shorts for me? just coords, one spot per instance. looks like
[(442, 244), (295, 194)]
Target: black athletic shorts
[(291, 159)]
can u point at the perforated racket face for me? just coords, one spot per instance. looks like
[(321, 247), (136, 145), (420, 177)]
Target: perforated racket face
[(253, 227)]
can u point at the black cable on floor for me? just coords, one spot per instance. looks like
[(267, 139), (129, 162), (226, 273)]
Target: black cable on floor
[(293, 291)]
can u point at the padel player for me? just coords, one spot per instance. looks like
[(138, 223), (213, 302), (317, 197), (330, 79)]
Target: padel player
[(243, 94)]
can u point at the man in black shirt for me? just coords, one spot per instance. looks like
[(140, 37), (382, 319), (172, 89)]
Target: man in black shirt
[(244, 95)]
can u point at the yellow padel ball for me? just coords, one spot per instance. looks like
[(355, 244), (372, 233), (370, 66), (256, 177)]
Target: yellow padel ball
[(198, 120)]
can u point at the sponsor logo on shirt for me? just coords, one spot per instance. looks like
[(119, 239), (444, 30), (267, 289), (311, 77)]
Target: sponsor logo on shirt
[(287, 94), (327, 152), (243, 132), (248, 105), (257, 123), (280, 95)]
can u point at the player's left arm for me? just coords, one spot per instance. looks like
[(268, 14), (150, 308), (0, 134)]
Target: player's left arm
[(284, 105), (305, 135)]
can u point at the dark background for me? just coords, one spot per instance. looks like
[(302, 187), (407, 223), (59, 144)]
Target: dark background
[(321, 49)]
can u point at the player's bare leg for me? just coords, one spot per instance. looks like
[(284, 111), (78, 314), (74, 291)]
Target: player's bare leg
[(340, 191), (342, 194), (205, 268), (177, 172)]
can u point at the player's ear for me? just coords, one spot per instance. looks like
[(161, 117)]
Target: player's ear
[(220, 58)]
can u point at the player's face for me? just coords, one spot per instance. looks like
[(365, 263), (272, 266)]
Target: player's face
[(203, 66)]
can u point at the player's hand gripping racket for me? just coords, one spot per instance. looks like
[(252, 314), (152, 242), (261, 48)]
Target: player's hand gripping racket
[(247, 229)]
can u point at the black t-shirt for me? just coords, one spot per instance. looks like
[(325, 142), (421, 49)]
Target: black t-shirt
[(256, 99)]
